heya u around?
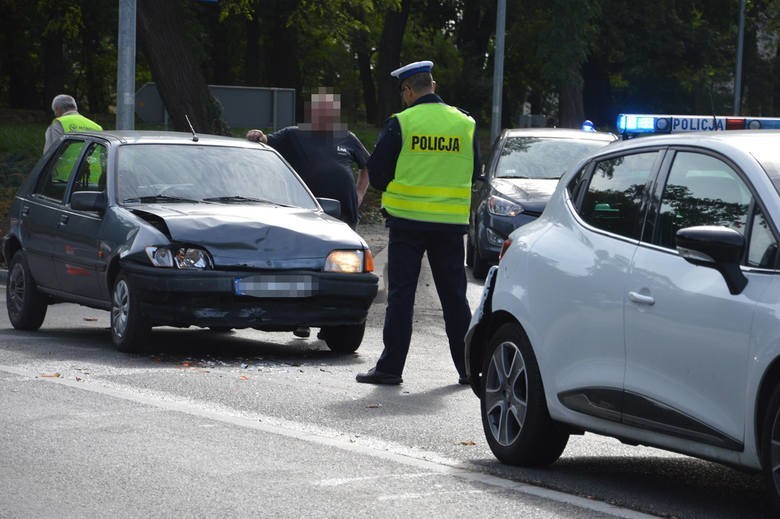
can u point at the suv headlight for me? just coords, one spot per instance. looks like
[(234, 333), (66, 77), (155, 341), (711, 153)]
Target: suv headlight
[(352, 261), (503, 207), (183, 258)]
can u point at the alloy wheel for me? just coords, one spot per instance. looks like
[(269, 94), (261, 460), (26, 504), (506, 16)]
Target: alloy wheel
[(120, 308), (506, 393)]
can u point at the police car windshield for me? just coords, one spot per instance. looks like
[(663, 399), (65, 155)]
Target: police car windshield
[(769, 158), (536, 157)]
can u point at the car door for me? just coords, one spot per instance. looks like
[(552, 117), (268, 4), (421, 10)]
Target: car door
[(687, 336), (42, 213), (582, 275), (78, 258)]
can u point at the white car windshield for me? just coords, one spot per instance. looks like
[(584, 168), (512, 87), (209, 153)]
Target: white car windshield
[(155, 172)]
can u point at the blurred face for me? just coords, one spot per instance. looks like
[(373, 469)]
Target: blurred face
[(325, 111)]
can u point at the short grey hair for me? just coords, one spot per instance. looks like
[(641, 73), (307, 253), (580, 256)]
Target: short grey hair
[(63, 102)]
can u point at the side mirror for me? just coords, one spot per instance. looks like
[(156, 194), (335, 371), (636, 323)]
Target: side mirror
[(715, 247), (331, 206), (88, 201)]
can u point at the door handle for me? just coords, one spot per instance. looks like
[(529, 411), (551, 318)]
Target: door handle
[(642, 299), (63, 220), (25, 210)]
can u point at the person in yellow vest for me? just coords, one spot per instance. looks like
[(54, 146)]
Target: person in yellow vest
[(424, 162), (66, 119)]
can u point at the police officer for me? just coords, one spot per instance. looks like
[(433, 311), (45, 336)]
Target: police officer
[(66, 119), (424, 162)]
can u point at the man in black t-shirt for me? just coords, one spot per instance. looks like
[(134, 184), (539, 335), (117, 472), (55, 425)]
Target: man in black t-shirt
[(322, 153)]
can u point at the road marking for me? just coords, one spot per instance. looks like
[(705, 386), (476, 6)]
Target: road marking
[(427, 461)]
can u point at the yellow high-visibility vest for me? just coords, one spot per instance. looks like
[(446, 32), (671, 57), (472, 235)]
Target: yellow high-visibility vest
[(434, 169), (76, 122)]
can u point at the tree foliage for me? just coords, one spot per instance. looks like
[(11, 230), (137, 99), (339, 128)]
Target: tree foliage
[(565, 60)]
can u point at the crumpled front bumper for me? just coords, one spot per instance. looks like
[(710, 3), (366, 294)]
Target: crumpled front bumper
[(267, 300)]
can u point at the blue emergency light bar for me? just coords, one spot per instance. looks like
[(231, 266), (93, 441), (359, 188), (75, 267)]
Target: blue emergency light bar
[(638, 124)]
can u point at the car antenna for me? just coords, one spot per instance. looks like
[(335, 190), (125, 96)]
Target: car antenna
[(712, 106), (194, 135)]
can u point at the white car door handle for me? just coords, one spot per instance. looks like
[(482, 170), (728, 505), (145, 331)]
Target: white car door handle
[(641, 298)]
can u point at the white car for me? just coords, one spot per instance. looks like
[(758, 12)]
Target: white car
[(644, 304)]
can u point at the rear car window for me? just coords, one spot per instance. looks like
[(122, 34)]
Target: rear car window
[(613, 198)]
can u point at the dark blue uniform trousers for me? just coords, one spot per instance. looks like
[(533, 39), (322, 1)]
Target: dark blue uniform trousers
[(445, 256)]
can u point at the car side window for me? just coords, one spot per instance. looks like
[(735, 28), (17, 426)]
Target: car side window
[(54, 178), (701, 190), (91, 175), (613, 199)]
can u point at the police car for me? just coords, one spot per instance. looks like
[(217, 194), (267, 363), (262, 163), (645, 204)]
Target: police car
[(644, 303)]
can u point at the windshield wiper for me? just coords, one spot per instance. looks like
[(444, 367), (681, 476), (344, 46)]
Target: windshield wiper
[(237, 198), (158, 198)]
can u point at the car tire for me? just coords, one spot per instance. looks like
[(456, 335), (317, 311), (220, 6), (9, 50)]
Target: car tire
[(343, 339), (25, 304), (130, 328), (517, 424), (770, 450), (479, 267)]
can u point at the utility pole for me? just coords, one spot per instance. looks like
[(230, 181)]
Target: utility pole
[(125, 66), (738, 73), (498, 71)]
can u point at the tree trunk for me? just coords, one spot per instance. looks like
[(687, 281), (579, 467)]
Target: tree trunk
[(389, 60), (252, 74), (280, 44), (90, 43), (570, 110), (363, 53), (474, 33), (54, 68), (175, 70), (17, 65)]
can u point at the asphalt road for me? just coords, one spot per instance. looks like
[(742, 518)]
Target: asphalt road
[(266, 424)]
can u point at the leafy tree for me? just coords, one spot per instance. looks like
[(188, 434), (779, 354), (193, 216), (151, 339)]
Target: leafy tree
[(178, 76)]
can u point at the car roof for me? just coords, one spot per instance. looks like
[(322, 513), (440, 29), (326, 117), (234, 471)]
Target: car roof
[(167, 137), (737, 139), (560, 133)]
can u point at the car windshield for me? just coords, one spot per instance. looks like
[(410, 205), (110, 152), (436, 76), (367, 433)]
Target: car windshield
[(769, 158), (538, 157), (210, 174)]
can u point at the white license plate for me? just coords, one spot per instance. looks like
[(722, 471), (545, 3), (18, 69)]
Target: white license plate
[(271, 285)]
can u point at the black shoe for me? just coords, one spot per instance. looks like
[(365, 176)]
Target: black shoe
[(373, 376), (302, 331), (463, 381)]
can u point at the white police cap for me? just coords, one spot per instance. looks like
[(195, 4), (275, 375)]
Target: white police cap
[(412, 69)]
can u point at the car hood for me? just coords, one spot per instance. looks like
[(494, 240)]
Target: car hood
[(253, 235), (526, 189), (531, 192)]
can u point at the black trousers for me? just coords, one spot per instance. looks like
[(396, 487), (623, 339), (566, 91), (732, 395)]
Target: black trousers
[(445, 256)]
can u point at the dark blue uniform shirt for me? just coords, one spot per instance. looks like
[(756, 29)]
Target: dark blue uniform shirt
[(324, 162)]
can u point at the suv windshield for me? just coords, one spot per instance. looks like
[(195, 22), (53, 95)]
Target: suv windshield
[(216, 174), (535, 157)]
